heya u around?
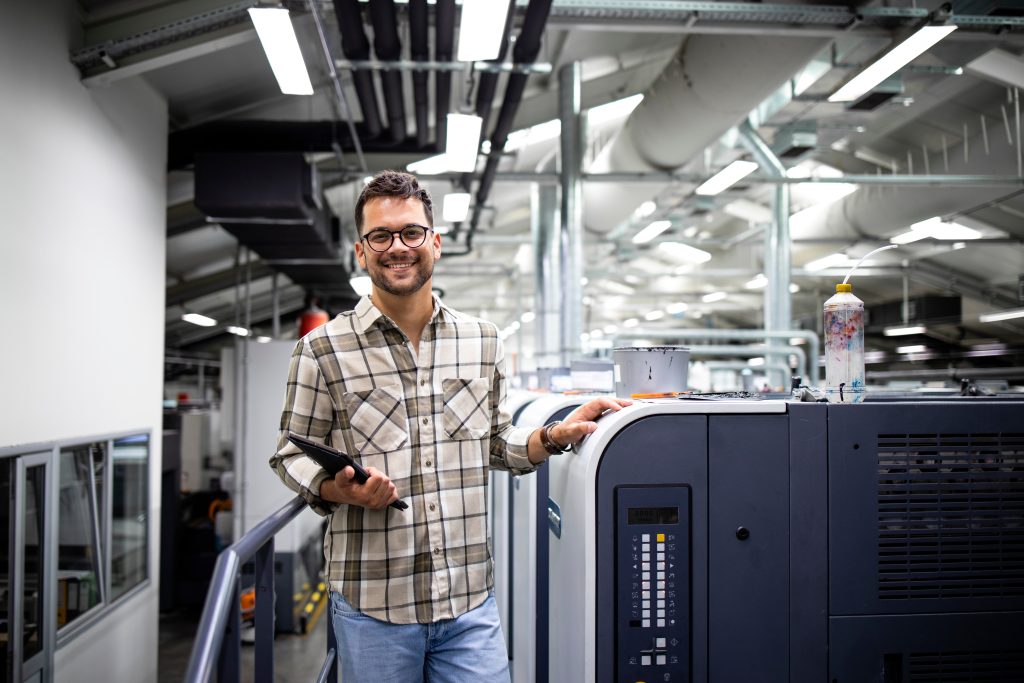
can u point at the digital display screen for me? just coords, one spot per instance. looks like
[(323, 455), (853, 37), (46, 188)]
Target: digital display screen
[(652, 515)]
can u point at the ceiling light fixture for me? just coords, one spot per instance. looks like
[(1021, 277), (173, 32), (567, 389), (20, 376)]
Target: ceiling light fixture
[(902, 331), (455, 207), (937, 229), (631, 322), (277, 35), (646, 209), (676, 308), (713, 297), (892, 61), (654, 315), (684, 252), (996, 316), (198, 319), (830, 261), (240, 331), (913, 348), (727, 177), (651, 231), (462, 142), (480, 29), (758, 282), (429, 166)]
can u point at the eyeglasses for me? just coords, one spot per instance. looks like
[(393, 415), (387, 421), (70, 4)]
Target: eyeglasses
[(381, 239)]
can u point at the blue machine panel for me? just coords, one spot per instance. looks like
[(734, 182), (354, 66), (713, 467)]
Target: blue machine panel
[(652, 537)]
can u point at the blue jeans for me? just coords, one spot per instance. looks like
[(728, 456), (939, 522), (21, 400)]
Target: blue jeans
[(467, 649)]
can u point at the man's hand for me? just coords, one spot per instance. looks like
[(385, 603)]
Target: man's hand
[(581, 421), (376, 494)]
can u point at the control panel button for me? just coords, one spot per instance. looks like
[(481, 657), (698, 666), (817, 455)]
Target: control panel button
[(660, 660), (645, 660)]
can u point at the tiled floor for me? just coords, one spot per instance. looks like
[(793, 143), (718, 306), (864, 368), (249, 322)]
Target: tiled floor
[(297, 658)]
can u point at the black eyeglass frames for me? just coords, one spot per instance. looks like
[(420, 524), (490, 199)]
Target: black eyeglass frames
[(381, 239)]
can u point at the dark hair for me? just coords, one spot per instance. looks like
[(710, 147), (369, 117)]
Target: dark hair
[(393, 184)]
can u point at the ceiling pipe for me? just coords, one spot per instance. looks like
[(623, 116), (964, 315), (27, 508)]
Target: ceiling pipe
[(709, 87), (419, 50), (752, 351), (388, 47), (777, 300), (354, 45), (444, 41), (525, 51)]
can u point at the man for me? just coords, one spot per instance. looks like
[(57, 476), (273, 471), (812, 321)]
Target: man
[(415, 392)]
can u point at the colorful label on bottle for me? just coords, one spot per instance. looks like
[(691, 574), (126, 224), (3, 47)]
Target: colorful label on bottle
[(844, 354)]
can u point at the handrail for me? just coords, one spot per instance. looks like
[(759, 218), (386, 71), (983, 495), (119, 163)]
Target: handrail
[(222, 598)]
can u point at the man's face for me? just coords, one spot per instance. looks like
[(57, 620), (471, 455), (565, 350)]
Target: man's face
[(401, 270)]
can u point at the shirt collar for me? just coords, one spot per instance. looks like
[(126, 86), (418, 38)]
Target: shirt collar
[(367, 313)]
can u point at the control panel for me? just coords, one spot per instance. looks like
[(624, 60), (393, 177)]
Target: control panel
[(652, 541)]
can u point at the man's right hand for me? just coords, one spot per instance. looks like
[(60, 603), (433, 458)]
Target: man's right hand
[(376, 494)]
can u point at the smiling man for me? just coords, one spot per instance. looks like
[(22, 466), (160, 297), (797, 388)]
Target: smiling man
[(415, 392)]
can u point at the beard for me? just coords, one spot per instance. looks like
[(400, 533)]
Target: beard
[(422, 269)]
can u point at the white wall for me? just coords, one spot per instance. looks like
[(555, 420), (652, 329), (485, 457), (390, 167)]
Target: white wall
[(82, 232)]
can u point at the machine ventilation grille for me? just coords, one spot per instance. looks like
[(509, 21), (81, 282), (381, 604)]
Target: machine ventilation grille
[(950, 516), (966, 667)]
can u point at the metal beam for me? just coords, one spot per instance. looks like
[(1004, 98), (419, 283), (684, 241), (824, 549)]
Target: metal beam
[(214, 282), (430, 65)]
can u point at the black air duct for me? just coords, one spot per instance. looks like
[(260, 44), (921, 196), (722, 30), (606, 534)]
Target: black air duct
[(356, 47), (444, 39), (419, 50), (388, 48)]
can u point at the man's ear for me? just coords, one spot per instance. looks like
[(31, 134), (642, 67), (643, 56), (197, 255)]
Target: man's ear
[(436, 237), (360, 256)]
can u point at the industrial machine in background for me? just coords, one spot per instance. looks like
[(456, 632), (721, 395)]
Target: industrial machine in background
[(747, 540)]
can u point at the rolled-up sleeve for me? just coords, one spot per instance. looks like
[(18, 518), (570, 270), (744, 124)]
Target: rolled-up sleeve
[(508, 442), (309, 411)]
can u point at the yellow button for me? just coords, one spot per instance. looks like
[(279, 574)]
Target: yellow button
[(661, 538)]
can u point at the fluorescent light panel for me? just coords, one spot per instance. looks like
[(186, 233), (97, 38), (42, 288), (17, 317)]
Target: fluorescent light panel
[(713, 297), (727, 177), (937, 229), (277, 35), (480, 29), (455, 207), (651, 231), (903, 331), (891, 62), (240, 331), (996, 316), (913, 348), (758, 282), (830, 261), (197, 319), (684, 252), (462, 142)]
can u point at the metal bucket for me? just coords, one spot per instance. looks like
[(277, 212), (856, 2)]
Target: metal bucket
[(650, 369)]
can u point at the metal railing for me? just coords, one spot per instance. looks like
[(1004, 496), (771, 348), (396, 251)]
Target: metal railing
[(218, 642)]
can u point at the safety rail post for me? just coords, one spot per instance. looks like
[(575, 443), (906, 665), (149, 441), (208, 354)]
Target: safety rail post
[(218, 640), (264, 654)]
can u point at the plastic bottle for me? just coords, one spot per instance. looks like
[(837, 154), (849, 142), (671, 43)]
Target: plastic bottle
[(844, 346), (844, 341)]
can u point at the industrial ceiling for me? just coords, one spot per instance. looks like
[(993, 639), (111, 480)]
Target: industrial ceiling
[(940, 140)]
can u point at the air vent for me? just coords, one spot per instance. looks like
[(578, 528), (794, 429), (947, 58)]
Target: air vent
[(966, 667), (950, 516)]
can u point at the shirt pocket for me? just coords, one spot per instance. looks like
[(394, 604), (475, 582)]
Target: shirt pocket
[(466, 407), (377, 418)]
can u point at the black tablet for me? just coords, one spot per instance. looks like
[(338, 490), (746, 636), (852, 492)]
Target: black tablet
[(334, 461)]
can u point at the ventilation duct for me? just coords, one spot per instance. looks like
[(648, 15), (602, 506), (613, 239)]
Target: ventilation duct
[(792, 142), (249, 187), (388, 48), (710, 86), (879, 95), (355, 46)]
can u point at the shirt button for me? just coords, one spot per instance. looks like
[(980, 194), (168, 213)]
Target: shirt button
[(425, 421), (431, 507), (437, 551), (423, 382), (428, 463)]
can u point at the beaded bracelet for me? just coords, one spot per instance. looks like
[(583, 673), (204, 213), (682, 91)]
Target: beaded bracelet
[(549, 444)]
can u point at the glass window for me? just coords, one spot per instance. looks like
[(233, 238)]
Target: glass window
[(6, 498), (129, 532), (32, 594), (79, 530)]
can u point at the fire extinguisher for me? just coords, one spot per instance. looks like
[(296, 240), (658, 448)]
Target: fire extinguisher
[(312, 318)]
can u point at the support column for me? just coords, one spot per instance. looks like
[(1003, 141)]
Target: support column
[(547, 284), (571, 232), (777, 298)]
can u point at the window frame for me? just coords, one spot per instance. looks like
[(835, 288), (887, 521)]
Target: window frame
[(103, 522)]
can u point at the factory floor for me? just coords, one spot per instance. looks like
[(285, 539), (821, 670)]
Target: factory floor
[(297, 658)]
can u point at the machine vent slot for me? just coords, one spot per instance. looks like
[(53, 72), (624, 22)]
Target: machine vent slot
[(950, 516), (966, 667)]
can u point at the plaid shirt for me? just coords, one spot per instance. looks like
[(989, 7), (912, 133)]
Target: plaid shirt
[(434, 422)]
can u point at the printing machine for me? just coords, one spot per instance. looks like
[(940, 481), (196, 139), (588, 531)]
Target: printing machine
[(764, 540), (499, 519), (527, 628)]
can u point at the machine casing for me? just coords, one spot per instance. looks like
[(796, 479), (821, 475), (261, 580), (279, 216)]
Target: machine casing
[(813, 542)]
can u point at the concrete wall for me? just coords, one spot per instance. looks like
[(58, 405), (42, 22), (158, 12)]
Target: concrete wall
[(82, 234)]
